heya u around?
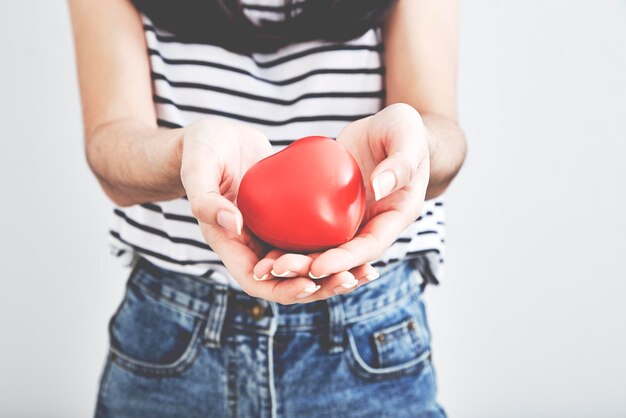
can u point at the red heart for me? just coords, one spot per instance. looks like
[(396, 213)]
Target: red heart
[(308, 197)]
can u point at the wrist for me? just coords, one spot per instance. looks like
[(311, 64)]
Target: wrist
[(175, 158)]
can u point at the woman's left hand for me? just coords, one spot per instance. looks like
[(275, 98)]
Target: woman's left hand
[(392, 151)]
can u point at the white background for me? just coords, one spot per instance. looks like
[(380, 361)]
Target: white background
[(529, 321)]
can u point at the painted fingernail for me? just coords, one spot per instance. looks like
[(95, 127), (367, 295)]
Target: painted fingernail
[(343, 286), (264, 277), (372, 276), (285, 274), (314, 277), (308, 290), (229, 221), (383, 184)]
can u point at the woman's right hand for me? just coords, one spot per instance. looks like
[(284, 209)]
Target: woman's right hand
[(215, 156)]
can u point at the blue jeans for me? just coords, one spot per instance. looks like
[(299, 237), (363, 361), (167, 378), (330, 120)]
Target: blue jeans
[(184, 346)]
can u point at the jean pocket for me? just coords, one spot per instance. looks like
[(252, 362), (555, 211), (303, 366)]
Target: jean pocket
[(388, 345), (152, 338)]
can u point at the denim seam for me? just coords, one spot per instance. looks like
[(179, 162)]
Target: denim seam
[(231, 372), (413, 334), (384, 309), (301, 328), (385, 331), (292, 329), (336, 325), (391, 328), (168, 302), (240, 327), (425, 333), (270, 359), (362, 369), (215, 320), (415, 295), (178, 366)]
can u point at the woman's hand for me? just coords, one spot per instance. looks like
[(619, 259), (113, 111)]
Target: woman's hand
[(392, 151), (215, 156), (280, 265), (391, 148)]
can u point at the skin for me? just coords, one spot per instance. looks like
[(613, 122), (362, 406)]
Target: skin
[(416, 137)]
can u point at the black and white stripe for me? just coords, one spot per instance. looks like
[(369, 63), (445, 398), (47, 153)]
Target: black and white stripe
[(311, 88)]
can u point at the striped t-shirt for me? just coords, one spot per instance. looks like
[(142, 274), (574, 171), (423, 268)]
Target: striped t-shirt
[(303, 89)]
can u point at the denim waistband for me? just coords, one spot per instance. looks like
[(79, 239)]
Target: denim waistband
[(223, 306)]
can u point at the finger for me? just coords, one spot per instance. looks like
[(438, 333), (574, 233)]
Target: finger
[(313, 256), (377, 235), (237, 256), (404, 138), (201, 174), (263, 268), (285, 291), (365, 272), (274, 254), (281, 265), (342, 282), (294, 290), (240, 261), (391, 174), (291, 265)]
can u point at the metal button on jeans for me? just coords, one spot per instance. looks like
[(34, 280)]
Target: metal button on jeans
[(257, 311)]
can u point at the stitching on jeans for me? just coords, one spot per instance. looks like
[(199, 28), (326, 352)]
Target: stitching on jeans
[(382, 310), (402, 325), (399, 330), (168, 302), (358, 365), (231, 372), (304, 328), (425, 332), (185, 361)]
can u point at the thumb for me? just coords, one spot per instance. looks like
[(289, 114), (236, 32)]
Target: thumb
[(393, 173), (214, 209), (201, 175), (401, 132)]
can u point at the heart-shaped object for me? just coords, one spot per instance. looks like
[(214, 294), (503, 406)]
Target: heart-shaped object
[(307, 197)]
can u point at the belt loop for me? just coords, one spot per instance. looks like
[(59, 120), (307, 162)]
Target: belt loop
[(336, 323), (217, 314)]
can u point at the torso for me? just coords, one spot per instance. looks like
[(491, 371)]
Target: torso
[(311, 88)]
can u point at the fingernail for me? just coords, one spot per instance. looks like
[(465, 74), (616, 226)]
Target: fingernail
[(307, 291), (372, 276), (264, 277), (311, 275), (383, 184), (285, 274), (343, 286), (229, 221)]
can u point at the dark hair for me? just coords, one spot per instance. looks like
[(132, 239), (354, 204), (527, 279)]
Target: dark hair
[(223, 22)]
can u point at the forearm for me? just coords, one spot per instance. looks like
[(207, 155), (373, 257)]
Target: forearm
[(135, 163), (132, 158), (448, 147), (421, 59)]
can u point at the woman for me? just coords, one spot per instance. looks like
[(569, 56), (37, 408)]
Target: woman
[(179, 100)]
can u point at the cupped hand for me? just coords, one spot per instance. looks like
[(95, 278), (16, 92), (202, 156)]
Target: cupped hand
[(215, 156), (279, 264), (391, 148), (392, 151)]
